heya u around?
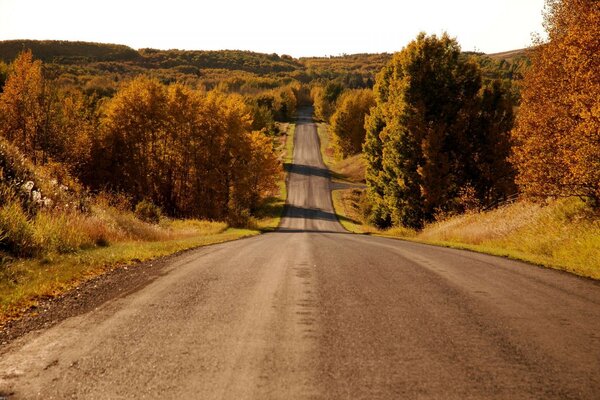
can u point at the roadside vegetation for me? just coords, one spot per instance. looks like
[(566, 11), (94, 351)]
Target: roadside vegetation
[(110, 155), (527, 190), (89, 184)]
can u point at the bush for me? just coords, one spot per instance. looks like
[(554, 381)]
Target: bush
[(148, 212), (17, 235)]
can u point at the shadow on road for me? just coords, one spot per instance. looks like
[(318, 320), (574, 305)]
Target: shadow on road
[(308, 213), (302, 169)]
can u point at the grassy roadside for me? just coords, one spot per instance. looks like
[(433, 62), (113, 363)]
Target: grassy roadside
[(26, 281), (269, 215), (563, 234)]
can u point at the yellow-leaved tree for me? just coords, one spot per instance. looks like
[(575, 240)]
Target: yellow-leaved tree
[(23, 106), (348, 121)]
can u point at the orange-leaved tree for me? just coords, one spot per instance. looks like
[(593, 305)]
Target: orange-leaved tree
[(23, 106), (557, 137)]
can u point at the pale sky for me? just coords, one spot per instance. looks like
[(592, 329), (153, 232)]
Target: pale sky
[(303, 28)]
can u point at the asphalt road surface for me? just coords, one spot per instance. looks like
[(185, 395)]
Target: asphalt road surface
[(313, 312)]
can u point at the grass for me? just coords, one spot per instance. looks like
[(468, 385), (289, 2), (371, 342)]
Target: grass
[(563, 234), (267, 218), (26, 281)]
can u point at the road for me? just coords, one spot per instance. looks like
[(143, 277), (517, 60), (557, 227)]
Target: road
[(312, 312)]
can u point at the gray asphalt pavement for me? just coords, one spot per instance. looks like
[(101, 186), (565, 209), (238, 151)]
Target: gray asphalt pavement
[(312, 312)]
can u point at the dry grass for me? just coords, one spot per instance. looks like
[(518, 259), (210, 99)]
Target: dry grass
[(24, 282), (563, 234), (53, 251)]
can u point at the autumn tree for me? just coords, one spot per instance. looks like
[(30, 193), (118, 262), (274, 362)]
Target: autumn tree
[(557, 135), (26, 107), (3, 75), (189, 152), (134, 125), (324, 99), (430, 138), (348, 121)]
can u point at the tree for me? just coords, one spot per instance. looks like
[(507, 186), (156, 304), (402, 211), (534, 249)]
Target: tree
[(133, 126), (557, 134), (26, 107), (191, 153), (324, 98), (433, 135), (348, 121), (3, 75)]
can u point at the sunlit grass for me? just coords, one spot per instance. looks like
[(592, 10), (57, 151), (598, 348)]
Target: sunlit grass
[(351, 169), (24, 282), (564, 234)]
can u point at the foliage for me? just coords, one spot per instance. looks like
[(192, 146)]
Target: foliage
[(148, 212), (65, 51), (23, 106), (348, 121), (324, 99), (43, 122), (191, 153), (3, 75), (434, 135), (557, 137)]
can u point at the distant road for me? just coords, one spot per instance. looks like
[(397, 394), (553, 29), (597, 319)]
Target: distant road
[(312, 312)]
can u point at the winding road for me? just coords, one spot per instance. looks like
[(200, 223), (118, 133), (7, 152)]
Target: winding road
[(313, 312)]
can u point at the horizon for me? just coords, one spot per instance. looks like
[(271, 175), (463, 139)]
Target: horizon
[(242, 50), (268, 27)]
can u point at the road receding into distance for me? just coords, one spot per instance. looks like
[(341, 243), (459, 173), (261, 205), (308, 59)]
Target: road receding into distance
[(313, 312)]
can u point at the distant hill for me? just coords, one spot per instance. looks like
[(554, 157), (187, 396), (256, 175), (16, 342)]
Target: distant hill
[(97, 67), (59, 51), (509, 55), (82, 53)]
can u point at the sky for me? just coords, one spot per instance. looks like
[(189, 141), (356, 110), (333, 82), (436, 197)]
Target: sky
[(302, 28)]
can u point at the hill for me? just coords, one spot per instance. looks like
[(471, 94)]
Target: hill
[(60, 51), (510, 55)]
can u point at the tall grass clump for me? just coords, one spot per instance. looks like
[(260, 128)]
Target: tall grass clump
[(17, 233)]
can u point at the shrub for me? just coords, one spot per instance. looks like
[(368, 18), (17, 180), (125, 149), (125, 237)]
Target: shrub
[(148, 212), (17, 234)]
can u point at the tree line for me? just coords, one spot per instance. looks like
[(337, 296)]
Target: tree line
[(191, 152), (439, 134)]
